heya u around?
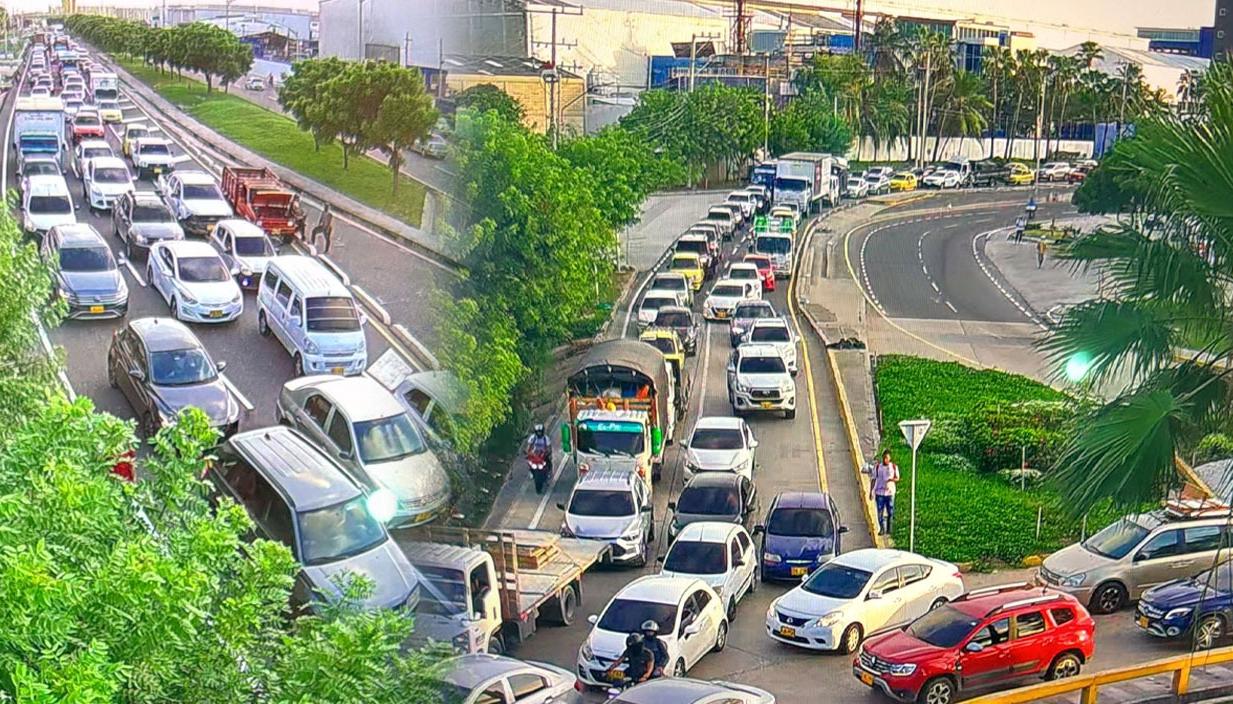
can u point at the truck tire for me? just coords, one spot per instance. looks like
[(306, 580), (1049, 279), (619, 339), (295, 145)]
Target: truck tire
[(496, 646), (562, 610)]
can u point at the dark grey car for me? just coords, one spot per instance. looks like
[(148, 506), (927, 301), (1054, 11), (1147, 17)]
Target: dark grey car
[(142, 219), (161, 368), (681, 320), (88, 277), (725, 497), (743, 316), (297, 496)]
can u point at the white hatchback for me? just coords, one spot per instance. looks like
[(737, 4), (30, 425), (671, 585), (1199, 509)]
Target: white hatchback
[(691, 622), (194, 281), (725, 294), (745, 272), (858, 593), (720, 554), (720, 444)]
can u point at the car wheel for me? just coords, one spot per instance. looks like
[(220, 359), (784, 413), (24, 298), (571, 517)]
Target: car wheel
[(650, 534), (851, 639), (937, 691), (299, 365), (1108, 598), (753, 580), (721, 637), (111, 375), (150, 275), (679, 669), (1209, 632), (128, 248), (938, 603), (1063, 666), (562, 612), (732, 608), (263, 327), (790, 414)]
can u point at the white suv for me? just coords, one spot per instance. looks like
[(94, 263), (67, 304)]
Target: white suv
[(759, 380), (777, 332), (613, 505), (726, 293)]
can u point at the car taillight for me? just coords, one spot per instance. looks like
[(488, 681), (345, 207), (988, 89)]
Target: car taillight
[(579, 686)]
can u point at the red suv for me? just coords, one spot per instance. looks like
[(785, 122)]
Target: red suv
[(985, 637)]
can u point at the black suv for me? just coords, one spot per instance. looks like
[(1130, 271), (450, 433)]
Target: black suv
[(297, 496)]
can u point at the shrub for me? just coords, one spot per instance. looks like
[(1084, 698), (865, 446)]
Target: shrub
[(953, 463), (1214, 446)]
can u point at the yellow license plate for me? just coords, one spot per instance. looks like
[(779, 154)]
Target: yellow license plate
[(798, 571), (1142, 621), (158, 169), (767, 404), (721, 313), (96, 309), (867, 678), (216, 314), (336, 370), (787, 632)]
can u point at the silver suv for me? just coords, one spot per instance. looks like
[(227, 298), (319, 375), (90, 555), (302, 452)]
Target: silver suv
[(1138, 552), (758, 380)]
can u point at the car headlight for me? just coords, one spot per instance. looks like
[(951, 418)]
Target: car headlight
[(771, 557), (787, 386), (586, 652), (238, 298), (738, 331), (311, 347), (139, 238), (633, 532), (1178, 613), (770, 610), (188, 297), (742, 386), (827, 619), (901, 670), (743, 466), (1073, 580)]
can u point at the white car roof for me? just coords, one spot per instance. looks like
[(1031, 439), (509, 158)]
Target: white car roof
[(362, 398), (104, 162), (759, 349), (729, 282), (719, 423), (658, 589), (93, 144), (242, 228), (193, 177), (690, 237), (189, 248), (152, 140), (776, 322), (47, 185), (874, 559), (309, 276), (707, 532), (742, 266)]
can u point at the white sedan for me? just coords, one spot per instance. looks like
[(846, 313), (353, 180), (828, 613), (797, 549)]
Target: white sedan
[(858, 187), (720, 554), (745, 272), (721, 444), (481, 678), (858, 593), (943, 178), (691, 622), (777, 332), (194, 281), (726, 293), (1053, 171), (104, 180)]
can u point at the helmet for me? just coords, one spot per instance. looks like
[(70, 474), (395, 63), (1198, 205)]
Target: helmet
[(650, 625), (633, 639), (539, 428)]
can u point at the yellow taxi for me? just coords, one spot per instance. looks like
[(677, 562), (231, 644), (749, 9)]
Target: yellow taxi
[(668, 342), (690, 265), (1019, 175), (133, 131), (903, 181), (109, 111)]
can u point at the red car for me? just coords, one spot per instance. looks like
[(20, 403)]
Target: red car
[(87, 124), (764, 270), (984, 638), (1078, 174)]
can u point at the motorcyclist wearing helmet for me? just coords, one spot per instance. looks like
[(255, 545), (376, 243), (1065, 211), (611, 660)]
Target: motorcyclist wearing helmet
[(639, 662), (540, 444), (659, 651)]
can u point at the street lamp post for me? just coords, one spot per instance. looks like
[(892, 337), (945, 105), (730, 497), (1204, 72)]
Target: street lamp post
[(914, 432), (1040, 118)]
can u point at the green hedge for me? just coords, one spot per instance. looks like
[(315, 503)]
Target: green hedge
[(965, 512)]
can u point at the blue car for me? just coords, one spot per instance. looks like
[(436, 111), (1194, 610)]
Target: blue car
[(1199, 608), (802, 532)]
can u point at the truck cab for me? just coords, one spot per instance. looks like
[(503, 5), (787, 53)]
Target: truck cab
[(459, 603), (613, 439)]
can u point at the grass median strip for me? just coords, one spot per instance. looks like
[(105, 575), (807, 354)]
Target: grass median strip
[(277, 138)]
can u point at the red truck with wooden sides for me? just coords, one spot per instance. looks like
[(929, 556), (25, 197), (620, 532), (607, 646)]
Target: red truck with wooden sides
[(257, 195)]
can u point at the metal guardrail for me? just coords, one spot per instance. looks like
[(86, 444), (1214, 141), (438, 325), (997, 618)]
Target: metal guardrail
[(1088, 686)]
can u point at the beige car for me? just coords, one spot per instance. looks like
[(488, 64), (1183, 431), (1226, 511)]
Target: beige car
[(1137, 552)]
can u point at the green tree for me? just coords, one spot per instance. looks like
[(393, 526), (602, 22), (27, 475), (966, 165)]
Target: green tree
[(809, 124), (1170, 272), (485, 97), (303, 91), (623, 170), (406, 114), (963, 108)]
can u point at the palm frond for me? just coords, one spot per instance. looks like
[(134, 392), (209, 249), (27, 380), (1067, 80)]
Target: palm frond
[(1112, 335)]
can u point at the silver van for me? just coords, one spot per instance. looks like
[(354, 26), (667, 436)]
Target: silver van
[(1138, 552), (313, 315)]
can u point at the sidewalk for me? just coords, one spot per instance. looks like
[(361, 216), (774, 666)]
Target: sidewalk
[(1051, 288)]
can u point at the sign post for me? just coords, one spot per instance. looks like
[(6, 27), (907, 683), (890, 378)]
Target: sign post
[(913, 431)]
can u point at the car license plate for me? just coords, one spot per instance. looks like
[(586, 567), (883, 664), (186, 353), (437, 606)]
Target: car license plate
[(216, 314), (158, 169), (721, 313), (787, 632), (96, 309), (336, 370), (798, 571), (767, 404), (1142, 621), (867, 678)]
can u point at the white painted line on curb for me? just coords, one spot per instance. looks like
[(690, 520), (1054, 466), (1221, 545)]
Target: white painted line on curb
[(128, 264), (406, 336), (335, 268), (382, 314), (248, 405)]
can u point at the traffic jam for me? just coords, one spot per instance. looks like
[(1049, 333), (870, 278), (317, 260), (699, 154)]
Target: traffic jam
[(352, 477)]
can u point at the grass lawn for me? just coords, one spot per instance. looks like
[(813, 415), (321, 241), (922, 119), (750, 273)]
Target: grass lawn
[(277, 138), (964, 515)]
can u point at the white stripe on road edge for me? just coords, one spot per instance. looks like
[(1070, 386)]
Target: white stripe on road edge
[(182, 158), (341, 274), (988, 274), (128, 264), (248, 405), (382, 314), (46, 341), (406, 336), (629, 312)]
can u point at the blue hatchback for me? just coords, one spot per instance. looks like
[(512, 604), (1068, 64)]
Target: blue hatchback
[(802, 532), (1200, 608)]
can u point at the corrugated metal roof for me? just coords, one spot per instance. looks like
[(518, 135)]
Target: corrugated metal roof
[(1113, 57), (497, 66)]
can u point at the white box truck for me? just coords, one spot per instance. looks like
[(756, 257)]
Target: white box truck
[(104, 86), (804, 179), (38, 127)]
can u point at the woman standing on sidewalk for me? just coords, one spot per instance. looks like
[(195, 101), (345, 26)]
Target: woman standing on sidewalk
[(882, 490)]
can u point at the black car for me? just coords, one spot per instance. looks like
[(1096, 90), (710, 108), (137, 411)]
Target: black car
[(141, 219), (88, 277), (726, 497), (297, 496), (161, 368)]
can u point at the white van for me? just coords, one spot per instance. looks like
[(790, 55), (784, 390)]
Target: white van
[(45, 203), (313, 315)]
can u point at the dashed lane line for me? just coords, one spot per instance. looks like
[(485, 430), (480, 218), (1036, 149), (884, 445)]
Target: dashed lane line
[(128, 264), (1027, 312)]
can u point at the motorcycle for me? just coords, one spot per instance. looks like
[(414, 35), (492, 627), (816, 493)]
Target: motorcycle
[(539, 462)]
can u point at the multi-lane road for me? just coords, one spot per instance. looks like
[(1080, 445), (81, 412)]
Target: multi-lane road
[(396, 275)]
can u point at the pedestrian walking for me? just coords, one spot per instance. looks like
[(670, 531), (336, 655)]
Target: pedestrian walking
[(271, 80), (882, 490), (1040, 253), (1020, 226), (325, 228)]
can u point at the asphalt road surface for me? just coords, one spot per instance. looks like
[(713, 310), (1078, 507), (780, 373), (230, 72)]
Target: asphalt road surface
[(395, 275)]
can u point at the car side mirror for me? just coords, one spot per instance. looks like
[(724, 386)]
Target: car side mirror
[(843, 529), (220, 365), (753, 444), (592, 619), (661, 559), (346, 454), (692, 629), (738, 562), (1141, 556), (122, 260), (646, 509), (137, 374), (873, 594), (560, 506), (759, 528), (973, 647), (671, 505)]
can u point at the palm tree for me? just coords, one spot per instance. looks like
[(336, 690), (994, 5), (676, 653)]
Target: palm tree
[(1064, 72), (966, 105), (996, 67), (1171, 282), (1089, 53), (1130, 79), (886, 116), (887, 45), (1188, 89)]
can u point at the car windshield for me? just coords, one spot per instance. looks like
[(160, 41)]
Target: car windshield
[(693, 557), (801, 523), (86, 120), (719, 215), (873, 178), (108, 105), (181, 367), (207, 191), (656, 303), (111, 175), (791, 185), (670, 283), (837, 581), (151, 213), (709, 501), (332, 314), (943, 627), (760, 262), (94, 152), (663, 344), (739, 197), (754, 312), (86, 259), (773, 245), (603, 503), (35, 168), (684, 263), (611, 438), (387, 439), (338, 532), (50, 205), (443, 591), (628, 615), (1116, 540), (673, 319), (717, 439), (770, 333), (762, 365), (695, 246), (728, 291), (855, 182), (154, 150), (744, 274), (202, 269), (253, 247)]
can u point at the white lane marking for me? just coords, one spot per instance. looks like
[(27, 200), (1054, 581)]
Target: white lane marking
[(248, 405), (865, 269), (128, 264), (948, 305), (988, 274), (706, 365), (373, 304), (47, 348)]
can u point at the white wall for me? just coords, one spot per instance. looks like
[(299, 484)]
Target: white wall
[(410, 26), (970, 148)]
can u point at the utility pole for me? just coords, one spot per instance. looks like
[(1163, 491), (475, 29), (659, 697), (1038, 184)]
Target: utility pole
[(856, 36), (924, 109), (766, 110), (693, 59), (552, 87), (359, 6), (1040, 118)]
